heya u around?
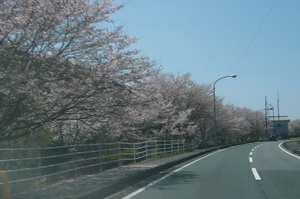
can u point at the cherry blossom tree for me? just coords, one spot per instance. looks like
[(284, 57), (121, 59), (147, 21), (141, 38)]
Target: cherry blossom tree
[(158, 110), (199, 99), (241, 124), (294, 127), (64, 64), (66, 69)]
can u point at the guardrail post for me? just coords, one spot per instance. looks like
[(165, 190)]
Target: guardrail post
[(134, 153), (6, 187), (100, 158), (146, 149), (75, 165), (172, 146), (164, 146), (40, 162), (119, 153), (156, 148)]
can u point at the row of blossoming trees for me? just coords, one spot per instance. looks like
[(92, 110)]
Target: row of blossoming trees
[(69, 75)]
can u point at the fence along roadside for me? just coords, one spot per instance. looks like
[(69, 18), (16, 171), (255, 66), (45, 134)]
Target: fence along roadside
[(30, 168)]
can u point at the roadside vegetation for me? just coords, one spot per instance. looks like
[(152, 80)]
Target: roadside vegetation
[(70, 75), (293, 146), (294, 128)]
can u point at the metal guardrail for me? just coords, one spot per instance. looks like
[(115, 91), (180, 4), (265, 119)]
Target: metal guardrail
[(29, 168)]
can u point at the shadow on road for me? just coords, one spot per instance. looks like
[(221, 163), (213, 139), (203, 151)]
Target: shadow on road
[(181, 177)]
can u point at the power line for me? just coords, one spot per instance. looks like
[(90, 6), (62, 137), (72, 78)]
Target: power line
[(235, 66)]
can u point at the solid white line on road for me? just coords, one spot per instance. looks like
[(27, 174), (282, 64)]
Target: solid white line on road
[(164, 177), (280, 146), (255, 173), (250, 159)]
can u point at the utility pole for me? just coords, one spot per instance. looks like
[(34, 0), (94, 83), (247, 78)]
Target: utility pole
[(266, 115), (278, 104), (278, 123)]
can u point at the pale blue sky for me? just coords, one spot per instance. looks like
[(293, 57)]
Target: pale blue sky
[(210, 39)]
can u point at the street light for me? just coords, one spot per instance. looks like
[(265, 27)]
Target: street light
[(271, 108), (214, 96)]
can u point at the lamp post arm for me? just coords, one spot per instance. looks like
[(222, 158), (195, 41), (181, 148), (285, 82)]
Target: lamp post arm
[(214, 85), (214, 92)]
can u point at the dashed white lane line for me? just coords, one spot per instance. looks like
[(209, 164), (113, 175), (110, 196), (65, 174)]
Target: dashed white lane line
[(255, 173)]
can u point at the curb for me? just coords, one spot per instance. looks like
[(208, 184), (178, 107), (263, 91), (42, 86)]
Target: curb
[(135, 178)]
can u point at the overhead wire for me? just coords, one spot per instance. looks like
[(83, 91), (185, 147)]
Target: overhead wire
[(236, 65)]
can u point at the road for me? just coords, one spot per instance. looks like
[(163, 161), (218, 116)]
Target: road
[(252, 171)]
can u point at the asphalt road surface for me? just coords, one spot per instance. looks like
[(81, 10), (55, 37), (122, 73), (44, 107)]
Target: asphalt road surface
[(252, 171)]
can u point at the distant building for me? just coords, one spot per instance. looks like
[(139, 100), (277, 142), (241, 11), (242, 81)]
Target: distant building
[(280, 126)]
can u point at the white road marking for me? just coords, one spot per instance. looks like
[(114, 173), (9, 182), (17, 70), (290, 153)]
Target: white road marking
[(164, 177), (280, 146), (255, 173)]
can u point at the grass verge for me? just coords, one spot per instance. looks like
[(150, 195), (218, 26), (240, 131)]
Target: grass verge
[(293, 146)]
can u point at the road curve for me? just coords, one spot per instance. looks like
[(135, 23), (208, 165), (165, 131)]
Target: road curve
[(256, 170)]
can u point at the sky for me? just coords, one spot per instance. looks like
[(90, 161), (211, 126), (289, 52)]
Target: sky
[(258, 40)]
